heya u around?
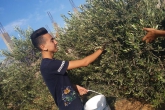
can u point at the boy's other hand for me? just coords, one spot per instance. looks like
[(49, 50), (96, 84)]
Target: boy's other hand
[(81, 90), (151, 35)]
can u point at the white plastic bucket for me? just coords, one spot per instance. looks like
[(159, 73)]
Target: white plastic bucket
[(97, 102)]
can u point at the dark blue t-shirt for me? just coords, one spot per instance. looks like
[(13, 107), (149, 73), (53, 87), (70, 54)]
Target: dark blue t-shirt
[(55, 76)]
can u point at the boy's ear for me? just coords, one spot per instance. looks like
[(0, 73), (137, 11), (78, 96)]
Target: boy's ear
[(43, 48)]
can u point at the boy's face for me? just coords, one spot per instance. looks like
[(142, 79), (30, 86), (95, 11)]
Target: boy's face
[(50, 43)]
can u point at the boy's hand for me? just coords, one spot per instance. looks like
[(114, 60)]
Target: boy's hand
[(101, 47), (151, 35), (81, 90), (104, 45)]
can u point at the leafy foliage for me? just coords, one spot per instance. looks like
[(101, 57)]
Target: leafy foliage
[(129, 68), (21, 84)]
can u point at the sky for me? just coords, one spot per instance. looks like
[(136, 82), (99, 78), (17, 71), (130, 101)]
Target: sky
[(32, 13)]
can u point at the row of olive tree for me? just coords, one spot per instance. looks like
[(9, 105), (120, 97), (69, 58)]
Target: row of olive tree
[(129, 68), (21, 84)]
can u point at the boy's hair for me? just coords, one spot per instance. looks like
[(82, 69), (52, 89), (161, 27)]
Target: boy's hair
[(37, 37)]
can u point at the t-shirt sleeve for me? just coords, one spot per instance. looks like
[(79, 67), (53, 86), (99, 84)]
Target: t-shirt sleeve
[(58, 66)]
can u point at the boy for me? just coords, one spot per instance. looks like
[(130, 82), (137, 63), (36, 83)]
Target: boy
[(152, 34), (54, 71)]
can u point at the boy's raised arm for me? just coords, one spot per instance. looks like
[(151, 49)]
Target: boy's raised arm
[(85, 61)]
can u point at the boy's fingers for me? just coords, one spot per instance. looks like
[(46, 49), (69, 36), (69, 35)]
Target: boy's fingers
[(148, 40), (146, 29), (144, 38), (85, 91)]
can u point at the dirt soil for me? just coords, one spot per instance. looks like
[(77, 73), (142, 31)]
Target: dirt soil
[(125, 104)]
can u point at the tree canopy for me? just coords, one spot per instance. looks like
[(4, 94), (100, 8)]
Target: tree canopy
[(128, 68)]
